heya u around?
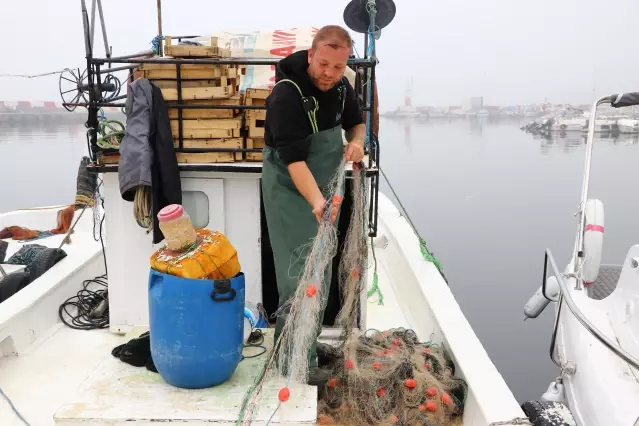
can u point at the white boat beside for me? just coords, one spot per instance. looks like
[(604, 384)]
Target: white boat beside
[(54, 371), (595, 341), (628, 125), (568, 125)]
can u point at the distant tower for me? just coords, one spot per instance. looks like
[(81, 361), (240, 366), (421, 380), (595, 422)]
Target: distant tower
[(409, 91)]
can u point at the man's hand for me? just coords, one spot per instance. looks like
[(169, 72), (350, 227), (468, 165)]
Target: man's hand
[(355, 136), (318, 206), (354, 151)]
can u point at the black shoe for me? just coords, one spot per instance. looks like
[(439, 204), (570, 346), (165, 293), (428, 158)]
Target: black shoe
[(317, 376)]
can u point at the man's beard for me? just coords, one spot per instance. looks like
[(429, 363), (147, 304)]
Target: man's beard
[(324, 87)]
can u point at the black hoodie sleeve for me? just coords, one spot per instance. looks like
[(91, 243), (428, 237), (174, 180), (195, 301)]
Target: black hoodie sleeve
[(352, 115), (288, 124)]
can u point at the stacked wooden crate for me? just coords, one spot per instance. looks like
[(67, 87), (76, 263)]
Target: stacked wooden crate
[(202, 84), (255, 119)]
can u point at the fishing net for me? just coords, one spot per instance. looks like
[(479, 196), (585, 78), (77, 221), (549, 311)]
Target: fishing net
[(389, 378), (306, 305), (376, 378), (289, 358)]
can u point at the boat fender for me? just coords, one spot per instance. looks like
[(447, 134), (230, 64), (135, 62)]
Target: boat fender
[(593, 241), (538, 302), (549, 413), (555, 393)]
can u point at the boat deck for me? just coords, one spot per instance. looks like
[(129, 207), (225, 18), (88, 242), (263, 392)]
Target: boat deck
[(119, 394), (606, 282), (70, 375)]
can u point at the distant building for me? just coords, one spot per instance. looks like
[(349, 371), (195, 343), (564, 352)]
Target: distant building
[(477, 103)]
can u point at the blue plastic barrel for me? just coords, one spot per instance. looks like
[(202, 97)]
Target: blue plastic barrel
[(196, 328)]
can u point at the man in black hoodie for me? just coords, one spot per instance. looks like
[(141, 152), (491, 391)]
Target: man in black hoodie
[(309, 106)]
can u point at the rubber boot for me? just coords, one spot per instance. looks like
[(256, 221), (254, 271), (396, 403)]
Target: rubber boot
[(317, 376)]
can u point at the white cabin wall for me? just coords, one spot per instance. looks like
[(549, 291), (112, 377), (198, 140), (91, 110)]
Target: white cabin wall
[(234, 210)]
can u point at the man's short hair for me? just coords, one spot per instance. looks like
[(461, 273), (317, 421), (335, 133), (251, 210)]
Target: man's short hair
[(335, 36)]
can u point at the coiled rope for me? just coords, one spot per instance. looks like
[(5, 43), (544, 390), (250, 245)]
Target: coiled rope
[(142, 207), (111, 132)]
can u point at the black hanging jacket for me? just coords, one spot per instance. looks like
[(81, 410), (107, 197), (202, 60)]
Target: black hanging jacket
[(147, 155)]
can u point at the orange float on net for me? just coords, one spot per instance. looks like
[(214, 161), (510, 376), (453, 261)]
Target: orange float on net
[(324, 419), (395, 342), (377, 365), (432, 391), (387, 351), (332, 383), (381, 392), (431, 406), (426, 350), (337, 199), (349, 364), (446, 399), (427, 366), (311, 290), (284, 394), (355, 273), (411, 383), (395, 419), (422, 407)]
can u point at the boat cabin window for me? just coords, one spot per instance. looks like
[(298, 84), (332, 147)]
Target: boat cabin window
[(196, 204)]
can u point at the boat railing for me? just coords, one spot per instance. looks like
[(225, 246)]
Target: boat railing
[(620, 100), (564, 295), (99, 88)]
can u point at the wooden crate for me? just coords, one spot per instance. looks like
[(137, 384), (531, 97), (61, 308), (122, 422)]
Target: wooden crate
[(190, 51), (210, 157), (191, 114), (190, 71), (255, 118), (254, 143), (208, 128), (200, 93), (189, 157)]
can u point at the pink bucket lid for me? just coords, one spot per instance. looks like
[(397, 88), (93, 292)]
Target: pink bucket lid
[(170, 212)]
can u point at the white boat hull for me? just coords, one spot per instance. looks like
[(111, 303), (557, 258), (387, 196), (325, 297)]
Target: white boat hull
[(604, 389)]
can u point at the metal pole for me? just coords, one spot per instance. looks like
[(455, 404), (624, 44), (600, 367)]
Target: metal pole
[(160, 48), (3, 272), (584, 188), (107, 49), (92, 23)]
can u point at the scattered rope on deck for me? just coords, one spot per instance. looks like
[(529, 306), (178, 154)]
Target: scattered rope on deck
[(13, 407)]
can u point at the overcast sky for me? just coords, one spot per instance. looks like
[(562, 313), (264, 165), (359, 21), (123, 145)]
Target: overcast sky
[(508, 51)]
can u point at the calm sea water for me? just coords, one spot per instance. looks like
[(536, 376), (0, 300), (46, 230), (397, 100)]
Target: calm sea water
[(487, 197)]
